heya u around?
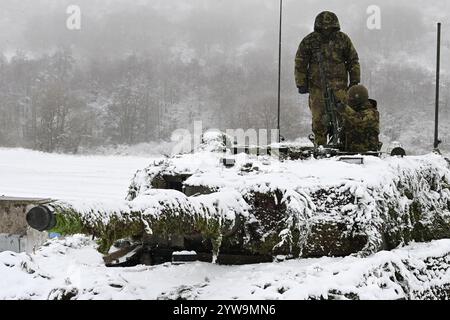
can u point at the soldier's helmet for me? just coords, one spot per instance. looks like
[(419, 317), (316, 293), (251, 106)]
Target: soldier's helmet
[(327, 20), (358, 96)]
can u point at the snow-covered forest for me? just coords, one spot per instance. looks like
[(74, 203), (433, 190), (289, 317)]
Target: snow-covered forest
[(136, 72)]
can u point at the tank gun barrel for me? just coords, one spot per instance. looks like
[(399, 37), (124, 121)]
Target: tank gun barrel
[(41, 218)]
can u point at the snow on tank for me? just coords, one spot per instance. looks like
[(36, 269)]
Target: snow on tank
[(269, 204)]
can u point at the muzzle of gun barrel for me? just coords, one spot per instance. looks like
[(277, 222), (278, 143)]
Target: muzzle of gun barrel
[(41, 218)]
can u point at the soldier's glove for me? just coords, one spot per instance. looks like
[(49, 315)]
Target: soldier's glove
[(303, 90)]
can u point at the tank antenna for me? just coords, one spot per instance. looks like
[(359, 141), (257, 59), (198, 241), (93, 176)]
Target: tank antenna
[(279, 71), (437, 141)]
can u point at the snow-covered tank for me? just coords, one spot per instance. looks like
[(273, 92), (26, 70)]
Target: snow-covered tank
[(220, 204)]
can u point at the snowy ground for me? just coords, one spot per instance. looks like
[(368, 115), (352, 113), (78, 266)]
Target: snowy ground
[(72, 268), (36, 174)]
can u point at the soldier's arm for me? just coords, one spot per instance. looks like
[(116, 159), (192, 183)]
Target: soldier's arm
[(346, 111), (352, 62), (368, 119), (371, 119), (302, 60)]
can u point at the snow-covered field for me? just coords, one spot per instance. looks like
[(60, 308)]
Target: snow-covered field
[(72, 268), (27, 173)]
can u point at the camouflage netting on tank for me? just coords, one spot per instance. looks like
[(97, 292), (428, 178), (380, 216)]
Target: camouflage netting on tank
[(59, 271), (402, 278), (270, 209), (160, 213)]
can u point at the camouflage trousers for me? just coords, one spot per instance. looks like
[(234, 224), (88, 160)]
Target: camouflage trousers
[(372, 144), (317, 107), (359, 140)]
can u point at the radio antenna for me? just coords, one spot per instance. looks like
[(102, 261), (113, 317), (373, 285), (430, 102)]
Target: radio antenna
[(279, 71), (437, 141)]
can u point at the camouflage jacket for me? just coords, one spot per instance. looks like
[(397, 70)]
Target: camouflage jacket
[(361, 128), (339, 55)]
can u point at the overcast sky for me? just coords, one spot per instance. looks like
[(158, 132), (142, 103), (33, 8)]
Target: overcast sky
[(116, 27), (240, 35)]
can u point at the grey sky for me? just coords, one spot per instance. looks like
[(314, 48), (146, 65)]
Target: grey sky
[(122, 25)]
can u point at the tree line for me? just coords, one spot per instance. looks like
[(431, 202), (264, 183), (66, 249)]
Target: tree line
[(55, 103)]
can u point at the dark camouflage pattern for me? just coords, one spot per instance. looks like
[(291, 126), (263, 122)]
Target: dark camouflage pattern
[(361, 127), (341, 66), (340, 56), (326, 20), (358, 95), (317, 107)]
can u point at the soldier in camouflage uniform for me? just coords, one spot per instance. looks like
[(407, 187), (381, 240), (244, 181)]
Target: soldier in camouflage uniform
[(361, 121), (341, 64)]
